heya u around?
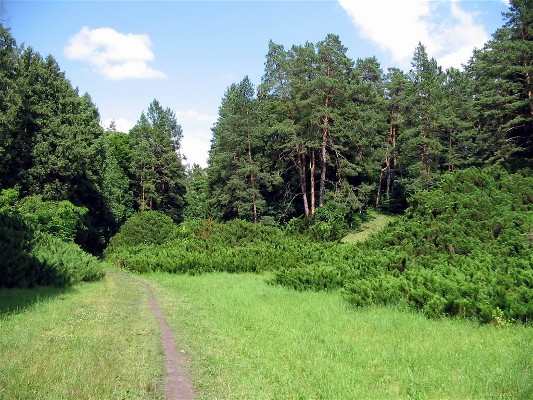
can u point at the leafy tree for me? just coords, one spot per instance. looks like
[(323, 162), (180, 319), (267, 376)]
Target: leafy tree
[(159, 173), (117, 184)]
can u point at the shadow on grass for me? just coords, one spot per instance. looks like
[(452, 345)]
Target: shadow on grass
[(13, 301)]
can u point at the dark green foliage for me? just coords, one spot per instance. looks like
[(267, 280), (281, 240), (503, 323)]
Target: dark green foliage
[(31, 255), (463, 249), (61, 219), (142, 228), (18, 268), (503, 85), (196, 196), (236, 246)]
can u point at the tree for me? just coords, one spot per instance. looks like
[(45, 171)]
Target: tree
[(116, 183), (502, 74), (196, 197), (421, 144), (239, 174), (159, 172), (11, 142)]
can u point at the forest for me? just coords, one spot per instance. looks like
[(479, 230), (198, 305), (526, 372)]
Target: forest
[(296, 162)]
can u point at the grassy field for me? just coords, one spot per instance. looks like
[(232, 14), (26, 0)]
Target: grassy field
[(94, 341), (249, 340), (246, 339)]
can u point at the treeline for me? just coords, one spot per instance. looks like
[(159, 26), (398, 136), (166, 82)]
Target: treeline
[(321, 138), (52, 145), (324, 129)]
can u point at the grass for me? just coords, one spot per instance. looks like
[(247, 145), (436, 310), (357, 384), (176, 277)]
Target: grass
[(247, 339), (376, 223), (94, 341)]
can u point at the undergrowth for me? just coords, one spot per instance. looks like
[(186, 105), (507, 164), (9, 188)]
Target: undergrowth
[(463, 250)]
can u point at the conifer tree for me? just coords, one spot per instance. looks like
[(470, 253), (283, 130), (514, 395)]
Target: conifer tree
[(159, 173), (238, 172), (503, 75)]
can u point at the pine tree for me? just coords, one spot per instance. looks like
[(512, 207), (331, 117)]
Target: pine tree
[(502, 72), (238, 177), (420, 144), (159, 173)]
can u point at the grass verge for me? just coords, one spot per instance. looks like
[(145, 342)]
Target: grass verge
[(93, 341), (247, 340)]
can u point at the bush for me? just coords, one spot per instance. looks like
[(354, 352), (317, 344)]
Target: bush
[(462, 250), (61, 219), (65, 263), (31, 257), (146, 227)]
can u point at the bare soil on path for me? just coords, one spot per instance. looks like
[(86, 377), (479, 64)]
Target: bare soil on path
[(177, 385)]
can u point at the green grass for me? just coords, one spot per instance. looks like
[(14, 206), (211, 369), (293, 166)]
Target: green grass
[(93, 341), (376, 223), (249, 340)]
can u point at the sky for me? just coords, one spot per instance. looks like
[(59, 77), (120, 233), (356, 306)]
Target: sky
[(185, 54)]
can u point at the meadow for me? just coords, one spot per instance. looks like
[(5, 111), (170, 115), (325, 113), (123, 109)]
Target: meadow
[(89, 341), (246, 338)]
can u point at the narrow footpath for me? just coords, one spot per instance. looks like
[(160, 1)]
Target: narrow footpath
[(177, 384)]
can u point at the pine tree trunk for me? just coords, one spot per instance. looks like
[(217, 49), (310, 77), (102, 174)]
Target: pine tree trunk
[(312, 168), (395, 164), (425, 161), (143, 194), (323, 156), (300, 161), (252, 183)]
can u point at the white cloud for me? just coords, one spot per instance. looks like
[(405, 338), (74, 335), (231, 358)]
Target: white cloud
[(121, 124), (113, 54), (397, 26), (197, 135), (194, 115), (195, 146)]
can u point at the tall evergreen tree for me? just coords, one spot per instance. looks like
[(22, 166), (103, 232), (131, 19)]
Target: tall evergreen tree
[(238, 177), (421, 142), (503, 76), (11, 141), (159, 172)]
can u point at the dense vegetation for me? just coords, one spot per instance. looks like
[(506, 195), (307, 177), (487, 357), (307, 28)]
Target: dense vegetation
[(294, 165), (450, 254), (37, 243)]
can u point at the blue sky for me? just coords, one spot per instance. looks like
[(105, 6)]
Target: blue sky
[(186, 53)]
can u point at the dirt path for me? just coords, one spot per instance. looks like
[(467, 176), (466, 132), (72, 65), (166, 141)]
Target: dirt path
[(177, 385)]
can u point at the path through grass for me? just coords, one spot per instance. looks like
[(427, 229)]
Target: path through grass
[(95, 341), (249, 340), (375, 224)]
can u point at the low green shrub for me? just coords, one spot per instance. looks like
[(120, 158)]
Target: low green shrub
[(65, 263), (36, 243), (146, 227), (61, 219), (462, 250)]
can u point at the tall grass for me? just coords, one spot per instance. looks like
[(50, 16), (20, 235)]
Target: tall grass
[(91, 341), (250, 340)]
